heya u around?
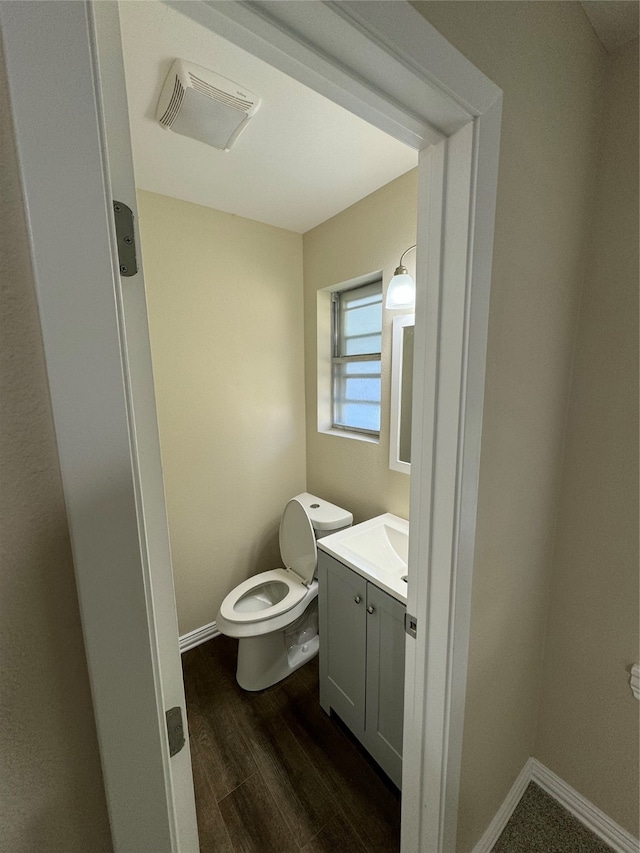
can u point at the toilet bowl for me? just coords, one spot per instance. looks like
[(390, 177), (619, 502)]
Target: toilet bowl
[(275, 614)]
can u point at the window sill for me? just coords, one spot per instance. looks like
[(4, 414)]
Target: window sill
[(345, 433)]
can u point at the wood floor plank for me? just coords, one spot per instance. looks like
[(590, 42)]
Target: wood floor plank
[(282, 774), (191, 665), (300, 793), (212, 830), (295, 685), (302, 797), (221, 655), (338, 834), (224, 751), (372, 807), (253, 820), (297, 787), (309, 674)]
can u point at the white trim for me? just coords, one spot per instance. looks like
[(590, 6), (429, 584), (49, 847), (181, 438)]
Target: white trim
[(634, 680), (198, 636), (493, 832), (585, 811), (345, 433), (424, 50), (414, 809), (481, 212), (395, 415)]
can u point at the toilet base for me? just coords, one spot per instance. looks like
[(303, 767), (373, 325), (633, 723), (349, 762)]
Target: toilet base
[(266, 660)]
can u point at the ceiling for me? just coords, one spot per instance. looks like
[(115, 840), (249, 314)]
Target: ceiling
[(615, 21), (301, 160)]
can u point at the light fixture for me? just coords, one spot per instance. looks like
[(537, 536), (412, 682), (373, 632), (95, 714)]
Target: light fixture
[(401, 292)]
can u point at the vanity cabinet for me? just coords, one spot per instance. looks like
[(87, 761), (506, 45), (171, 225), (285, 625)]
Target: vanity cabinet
[(362, 643)]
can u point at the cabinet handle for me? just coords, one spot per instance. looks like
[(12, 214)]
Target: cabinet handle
[(357, 599), (370, 608)]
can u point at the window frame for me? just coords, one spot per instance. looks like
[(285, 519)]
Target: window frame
[(337, 357)]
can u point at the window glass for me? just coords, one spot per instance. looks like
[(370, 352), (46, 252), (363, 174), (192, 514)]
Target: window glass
[(356, 362)]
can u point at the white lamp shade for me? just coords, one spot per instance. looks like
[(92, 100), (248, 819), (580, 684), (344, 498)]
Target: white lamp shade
[(401, 292)]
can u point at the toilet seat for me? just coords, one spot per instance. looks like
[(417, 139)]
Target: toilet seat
[(296, 591), (271, 619), (248, 607), (274, 615)]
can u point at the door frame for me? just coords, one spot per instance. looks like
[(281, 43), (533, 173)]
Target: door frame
[(386, 63)]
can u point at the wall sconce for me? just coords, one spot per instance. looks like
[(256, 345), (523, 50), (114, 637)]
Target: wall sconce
[(401, 292)]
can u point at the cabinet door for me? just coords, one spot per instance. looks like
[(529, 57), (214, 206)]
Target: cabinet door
[(342, 600), (385, 681)]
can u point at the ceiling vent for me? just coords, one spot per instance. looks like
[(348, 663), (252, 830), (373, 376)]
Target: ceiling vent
[(203, 105)]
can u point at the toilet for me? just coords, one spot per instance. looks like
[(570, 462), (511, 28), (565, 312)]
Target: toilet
[(275, 613)]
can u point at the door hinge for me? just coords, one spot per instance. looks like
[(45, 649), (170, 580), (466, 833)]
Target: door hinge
[(125, 237), (410, 625), (175, 730)]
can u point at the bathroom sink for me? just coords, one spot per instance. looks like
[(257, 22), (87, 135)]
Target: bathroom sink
[(377, 549)]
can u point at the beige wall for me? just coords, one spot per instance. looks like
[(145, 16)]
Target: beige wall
[(51, 793), (550, 66), (225, 314), (367, 237), (589, 718), (225, 305)]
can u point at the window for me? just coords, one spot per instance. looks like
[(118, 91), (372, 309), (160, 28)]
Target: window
[(357, 342)]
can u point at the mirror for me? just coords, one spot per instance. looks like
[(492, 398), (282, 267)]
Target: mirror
[(401, 393)]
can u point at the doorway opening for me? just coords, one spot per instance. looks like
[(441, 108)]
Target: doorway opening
[(236, 246)]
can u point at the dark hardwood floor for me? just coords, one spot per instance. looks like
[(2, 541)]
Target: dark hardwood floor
[(272, 772)]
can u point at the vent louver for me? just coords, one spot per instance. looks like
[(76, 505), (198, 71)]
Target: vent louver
[(174, 104), (225, 97)]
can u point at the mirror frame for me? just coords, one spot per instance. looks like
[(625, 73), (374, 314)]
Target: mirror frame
[(397, 360)]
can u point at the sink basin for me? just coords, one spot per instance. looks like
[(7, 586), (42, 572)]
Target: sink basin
[(377, 549)]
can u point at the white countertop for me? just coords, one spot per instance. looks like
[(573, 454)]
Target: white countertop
[(376, 549)]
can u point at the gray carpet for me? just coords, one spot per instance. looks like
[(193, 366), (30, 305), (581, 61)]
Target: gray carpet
[(541, 825)]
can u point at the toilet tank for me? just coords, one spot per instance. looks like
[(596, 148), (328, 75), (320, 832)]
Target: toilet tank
[(325, 517)]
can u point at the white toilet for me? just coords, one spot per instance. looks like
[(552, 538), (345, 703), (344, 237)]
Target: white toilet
[(275, 613)]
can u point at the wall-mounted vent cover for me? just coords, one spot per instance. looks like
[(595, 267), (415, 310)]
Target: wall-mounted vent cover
[(204, 105)]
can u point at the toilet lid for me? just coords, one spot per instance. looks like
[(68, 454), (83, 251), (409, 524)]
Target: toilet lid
[(298, 541)]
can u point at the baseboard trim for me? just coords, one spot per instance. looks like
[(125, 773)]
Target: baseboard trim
[(501, 819), (200, 635), (589, 815)]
